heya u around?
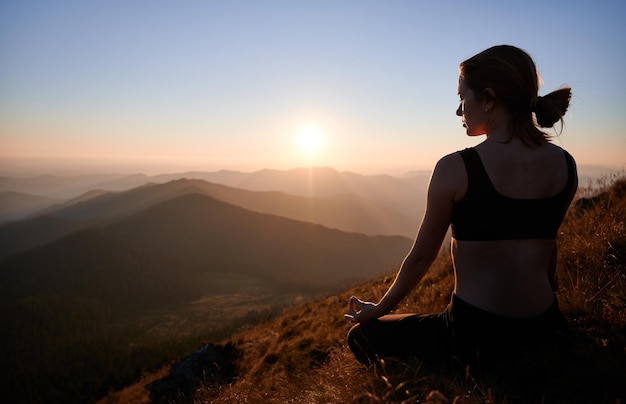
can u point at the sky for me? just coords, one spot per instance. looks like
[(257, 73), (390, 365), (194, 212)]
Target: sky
[(163, 86)]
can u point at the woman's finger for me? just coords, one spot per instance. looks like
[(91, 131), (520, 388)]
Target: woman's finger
[(353, 308), (355, 305)]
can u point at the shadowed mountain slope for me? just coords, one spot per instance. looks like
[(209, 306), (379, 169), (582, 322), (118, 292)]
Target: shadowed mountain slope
[(203, 230), (188, 244), (91, 265), (19, 236)]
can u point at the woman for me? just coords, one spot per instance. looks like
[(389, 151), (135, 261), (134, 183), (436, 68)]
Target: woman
[(505, 200)]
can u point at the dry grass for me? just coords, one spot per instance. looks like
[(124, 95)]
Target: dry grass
[(592, 256), (135, 393)]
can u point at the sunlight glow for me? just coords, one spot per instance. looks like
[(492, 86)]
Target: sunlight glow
[(310, 139)]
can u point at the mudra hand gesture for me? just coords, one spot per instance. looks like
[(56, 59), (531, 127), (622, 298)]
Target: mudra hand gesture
[(362, 312)]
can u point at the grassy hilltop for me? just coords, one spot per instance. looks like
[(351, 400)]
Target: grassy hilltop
[(301, 355)]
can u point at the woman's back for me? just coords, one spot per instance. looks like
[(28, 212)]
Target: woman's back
[(497, 270)]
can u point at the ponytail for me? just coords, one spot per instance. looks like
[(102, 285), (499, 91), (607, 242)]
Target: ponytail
[(551, 108)]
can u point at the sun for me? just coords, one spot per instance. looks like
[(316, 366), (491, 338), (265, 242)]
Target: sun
[(310, 139)]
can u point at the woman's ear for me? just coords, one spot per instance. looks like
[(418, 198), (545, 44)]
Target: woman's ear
[(490, 98)]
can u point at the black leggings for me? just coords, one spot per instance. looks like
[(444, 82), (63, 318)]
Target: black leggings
[(462, 331)]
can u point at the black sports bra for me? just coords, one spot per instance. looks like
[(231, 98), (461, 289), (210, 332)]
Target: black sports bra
[(485, 214)]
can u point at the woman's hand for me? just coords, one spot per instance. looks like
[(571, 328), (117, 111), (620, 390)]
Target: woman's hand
[(362, 312)]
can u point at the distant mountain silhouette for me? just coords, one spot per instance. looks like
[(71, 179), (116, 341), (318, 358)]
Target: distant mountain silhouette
[(346, 212), (192, 245), (70, 186), (16, 205), (373, 204), (405, 194), (317, 181)]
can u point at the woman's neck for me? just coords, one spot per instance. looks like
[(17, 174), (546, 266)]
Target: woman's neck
[(498, 126)]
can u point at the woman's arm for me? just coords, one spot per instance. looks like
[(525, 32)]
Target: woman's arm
[(447, 184)]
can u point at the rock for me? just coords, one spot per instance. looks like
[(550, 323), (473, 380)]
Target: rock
[(210, 365)]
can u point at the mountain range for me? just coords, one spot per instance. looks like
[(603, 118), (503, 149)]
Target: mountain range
[(166, 243), (372, 205)]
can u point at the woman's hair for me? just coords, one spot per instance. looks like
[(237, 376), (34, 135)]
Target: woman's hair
[(511, 74)]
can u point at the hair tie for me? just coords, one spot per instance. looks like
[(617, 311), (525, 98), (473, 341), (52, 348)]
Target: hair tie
[(533, 102)]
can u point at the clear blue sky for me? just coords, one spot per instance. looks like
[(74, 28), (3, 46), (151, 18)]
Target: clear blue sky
[(156, 86)]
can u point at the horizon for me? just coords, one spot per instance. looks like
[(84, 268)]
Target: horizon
[(357, 86), (586, 172), (33, 166)]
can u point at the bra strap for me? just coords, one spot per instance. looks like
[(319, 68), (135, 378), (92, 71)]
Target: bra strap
[(477, 178)]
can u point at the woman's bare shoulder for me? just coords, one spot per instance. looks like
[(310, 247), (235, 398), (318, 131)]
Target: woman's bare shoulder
[(450, 161), (450, 174)]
